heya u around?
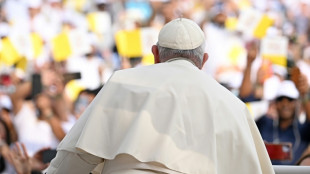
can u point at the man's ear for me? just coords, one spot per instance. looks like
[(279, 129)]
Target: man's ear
[(204, 59), (155, 53)]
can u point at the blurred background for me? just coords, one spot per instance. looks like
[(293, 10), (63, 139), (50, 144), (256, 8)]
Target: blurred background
[(55, 55)]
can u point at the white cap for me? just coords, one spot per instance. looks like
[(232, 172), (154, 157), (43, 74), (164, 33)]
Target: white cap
[(181, 34), (287, 88)]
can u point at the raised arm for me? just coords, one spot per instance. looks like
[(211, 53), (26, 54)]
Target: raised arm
[(246, 87)]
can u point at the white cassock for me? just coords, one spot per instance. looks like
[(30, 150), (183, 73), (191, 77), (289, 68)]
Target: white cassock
[(165, 118)]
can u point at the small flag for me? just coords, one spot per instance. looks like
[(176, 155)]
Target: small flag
[(37, 44), (254, 23), (29, 45), (136, 43), (61, 48), (275, 49), (8, 53), (99, 22), (129, 43)]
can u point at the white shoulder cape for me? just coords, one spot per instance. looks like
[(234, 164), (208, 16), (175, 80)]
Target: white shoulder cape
[(174, 114)]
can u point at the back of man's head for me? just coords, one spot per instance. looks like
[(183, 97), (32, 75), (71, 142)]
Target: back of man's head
[(181, 38)]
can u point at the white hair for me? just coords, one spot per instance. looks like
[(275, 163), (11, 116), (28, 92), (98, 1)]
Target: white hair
[(194, 55)]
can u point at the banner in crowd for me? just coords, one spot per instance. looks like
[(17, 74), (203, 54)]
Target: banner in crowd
[(137, 43), (275, 49), (8, 53), (72, 43), (254, 23), (99, 22), (18, 46)]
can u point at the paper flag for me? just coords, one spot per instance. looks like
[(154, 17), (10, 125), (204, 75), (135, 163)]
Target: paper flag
[(275, 49), (79, 42), (254, 23), (129, 43), (99, 22), (61, 47), (37, 44), (136, 43), (8, 53)]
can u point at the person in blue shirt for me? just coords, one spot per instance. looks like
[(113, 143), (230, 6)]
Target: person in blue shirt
[(286, 127)]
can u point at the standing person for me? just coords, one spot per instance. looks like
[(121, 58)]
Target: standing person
[(286, 127), (170, 117)]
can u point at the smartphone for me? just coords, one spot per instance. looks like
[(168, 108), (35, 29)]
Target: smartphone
[(36, 85), (279, 151), (48, 155), (71, 76)]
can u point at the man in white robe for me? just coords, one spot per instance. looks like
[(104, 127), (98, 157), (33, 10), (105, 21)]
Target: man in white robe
[(169, 117)]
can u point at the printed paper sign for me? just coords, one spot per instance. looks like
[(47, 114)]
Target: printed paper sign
[(275, 49)]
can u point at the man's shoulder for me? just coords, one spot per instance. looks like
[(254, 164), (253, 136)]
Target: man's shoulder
[(264, 120)]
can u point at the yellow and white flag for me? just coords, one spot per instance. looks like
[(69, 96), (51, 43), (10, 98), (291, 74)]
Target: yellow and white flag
[(61, 47), (72, 43), (275, 49), (99, 22), (137, 43), (29, 45), (8, 53), (254, 23)]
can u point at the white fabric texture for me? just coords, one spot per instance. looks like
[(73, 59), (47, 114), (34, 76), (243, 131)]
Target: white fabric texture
[(173, 114)]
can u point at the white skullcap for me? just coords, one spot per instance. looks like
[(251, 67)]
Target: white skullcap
[(181, 34), (287, 88)]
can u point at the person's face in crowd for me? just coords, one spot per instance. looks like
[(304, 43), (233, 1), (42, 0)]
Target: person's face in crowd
[(285, 107), (43, 101), (220, 19), (169, 11), (33, 12)]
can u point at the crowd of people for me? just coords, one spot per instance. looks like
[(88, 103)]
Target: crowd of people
[(55, 56)]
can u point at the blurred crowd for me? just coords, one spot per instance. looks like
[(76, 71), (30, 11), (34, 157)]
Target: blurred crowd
[(55, 56)]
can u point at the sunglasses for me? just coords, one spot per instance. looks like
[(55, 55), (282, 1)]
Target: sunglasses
[(283, 97)]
